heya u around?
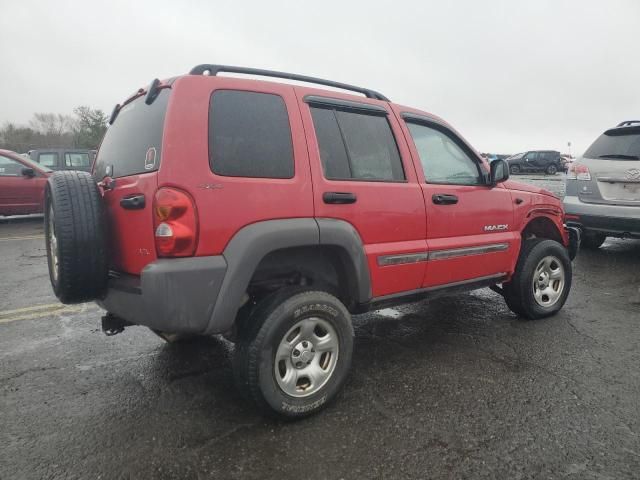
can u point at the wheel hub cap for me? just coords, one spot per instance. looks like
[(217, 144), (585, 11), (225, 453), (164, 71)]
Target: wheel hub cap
[(548, 281), (302, 354), (53, 246), (306, 357)]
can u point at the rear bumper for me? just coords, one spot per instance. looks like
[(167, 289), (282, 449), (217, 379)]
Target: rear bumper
[(171, 295), (615, 220)]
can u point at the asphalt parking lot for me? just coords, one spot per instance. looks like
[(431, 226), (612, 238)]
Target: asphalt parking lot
[(451, 388)]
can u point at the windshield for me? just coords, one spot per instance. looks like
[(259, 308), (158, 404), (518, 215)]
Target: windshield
[(132, 145), (616, 145), (516, 156)]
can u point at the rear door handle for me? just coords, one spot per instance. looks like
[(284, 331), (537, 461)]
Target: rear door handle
[(134, 202), (340, 198), (444, 199)]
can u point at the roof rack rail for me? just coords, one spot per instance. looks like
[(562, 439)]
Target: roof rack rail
[(215, 69), (627, 123)]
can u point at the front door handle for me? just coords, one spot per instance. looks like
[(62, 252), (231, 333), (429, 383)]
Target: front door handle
[(444, 199), (135, 202), (339, 198)]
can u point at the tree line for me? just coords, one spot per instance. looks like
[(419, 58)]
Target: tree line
[(84, 129)]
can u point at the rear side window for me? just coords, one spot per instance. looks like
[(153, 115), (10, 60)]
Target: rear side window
[(620, 144), (356, 146), (249, 135), (77, 160), (133, 144)]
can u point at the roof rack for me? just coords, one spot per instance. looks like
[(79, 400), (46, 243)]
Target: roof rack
[(215, 69), (628, 123)]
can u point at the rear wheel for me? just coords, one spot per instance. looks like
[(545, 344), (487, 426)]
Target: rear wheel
[(75, 236), (593, 241), (514, 169), (294, 352), (542, 280)]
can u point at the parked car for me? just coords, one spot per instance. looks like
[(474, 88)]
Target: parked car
[(22, 184), (547, 161), (270, 213), (63, 158), (603, 187)]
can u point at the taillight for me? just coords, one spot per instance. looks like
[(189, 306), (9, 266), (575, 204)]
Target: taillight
[(175, 222), (578, 172)]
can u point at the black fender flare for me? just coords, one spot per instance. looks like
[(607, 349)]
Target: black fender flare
[(252, 243)]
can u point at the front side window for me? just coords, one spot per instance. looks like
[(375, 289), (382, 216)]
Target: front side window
[(48, 159), (9, 167), (443, 161), (356, 146), (249, 135)]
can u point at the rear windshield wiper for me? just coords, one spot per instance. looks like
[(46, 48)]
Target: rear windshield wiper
[(621, 156)]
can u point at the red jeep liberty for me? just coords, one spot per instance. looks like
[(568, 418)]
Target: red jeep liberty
[(270, 213)]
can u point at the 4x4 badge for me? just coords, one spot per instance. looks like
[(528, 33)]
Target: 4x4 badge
[(633, 174)]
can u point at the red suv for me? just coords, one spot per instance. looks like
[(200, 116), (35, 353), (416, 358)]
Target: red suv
[(22, 184), (270, 213)]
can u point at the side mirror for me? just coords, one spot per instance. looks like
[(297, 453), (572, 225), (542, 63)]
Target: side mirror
[(499, 172), (28, 172)]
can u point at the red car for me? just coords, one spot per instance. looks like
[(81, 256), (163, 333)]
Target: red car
[(22, 184), (270, 213)]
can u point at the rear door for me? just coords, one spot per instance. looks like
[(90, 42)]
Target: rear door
[(470, 231), (363, 174), (130, 156)]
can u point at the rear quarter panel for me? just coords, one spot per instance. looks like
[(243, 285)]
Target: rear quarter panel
[(226, 204)]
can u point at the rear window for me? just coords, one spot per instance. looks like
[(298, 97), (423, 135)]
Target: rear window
[(133, 144), (249, 135), (617, 144)]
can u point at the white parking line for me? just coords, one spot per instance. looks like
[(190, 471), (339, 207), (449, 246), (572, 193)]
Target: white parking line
[(26, 237), (38, 311)]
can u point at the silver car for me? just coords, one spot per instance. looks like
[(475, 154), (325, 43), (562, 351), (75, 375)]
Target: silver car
[(603, 187)]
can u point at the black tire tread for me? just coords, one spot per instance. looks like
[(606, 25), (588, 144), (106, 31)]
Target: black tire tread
[(515, 291), (81, 233), (251, 335)]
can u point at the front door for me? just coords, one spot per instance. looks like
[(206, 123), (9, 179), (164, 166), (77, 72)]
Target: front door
[(19, 194), (470, 231), (363, 174)]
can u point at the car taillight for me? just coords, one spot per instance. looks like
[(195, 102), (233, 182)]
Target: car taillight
[(175, 222), (578, 172)]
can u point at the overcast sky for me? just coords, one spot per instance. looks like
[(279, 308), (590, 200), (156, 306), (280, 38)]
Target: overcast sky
[(509, 75)]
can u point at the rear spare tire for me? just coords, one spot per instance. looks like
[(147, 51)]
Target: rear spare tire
[(75, 234)]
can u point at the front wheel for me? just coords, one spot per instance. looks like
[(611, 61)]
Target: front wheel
[(552, 169), (294, 352), (542, 280), (514, 169)]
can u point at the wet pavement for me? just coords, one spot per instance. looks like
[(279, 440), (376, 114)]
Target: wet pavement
[(456, 387)]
